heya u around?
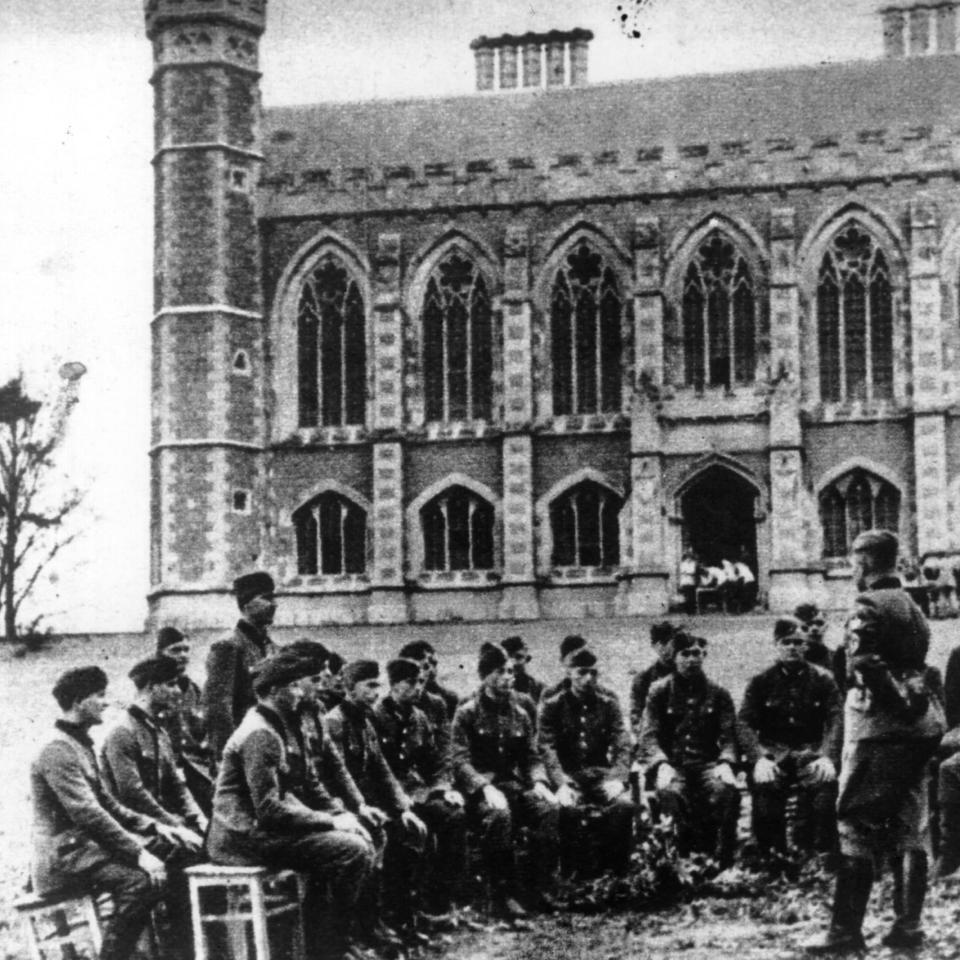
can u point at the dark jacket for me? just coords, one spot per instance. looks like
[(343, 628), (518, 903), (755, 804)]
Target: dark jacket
[(411, 749), (140, 769), (435, 708), (351, 728), (77, 824), (524, 683), (687, 721), (583, 739), (328, 699), (640, 689), (327, 762), (265, 790), (228, 693), (493, 743), (451, 700), (792, 707), (186, 725), (951, 685)]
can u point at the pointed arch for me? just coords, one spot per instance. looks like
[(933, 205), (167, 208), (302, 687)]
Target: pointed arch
[(717, 459), (686, 240), (331, 531)]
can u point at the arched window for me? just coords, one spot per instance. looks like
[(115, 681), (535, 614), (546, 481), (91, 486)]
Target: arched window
[(855, 319), (719, 317), (585, 524), (586, 310), (331, 347), (331, 536), (457, 531), (855, 502), (457, 341)]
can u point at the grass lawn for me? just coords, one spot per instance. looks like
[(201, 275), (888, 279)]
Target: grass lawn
[(739, 646)]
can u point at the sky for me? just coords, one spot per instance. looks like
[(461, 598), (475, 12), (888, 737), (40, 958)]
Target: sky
[(76, 191)]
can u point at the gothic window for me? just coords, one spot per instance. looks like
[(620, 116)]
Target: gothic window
[(331, 347), (457, 341), (855, 319), (719, 317), (586, 311), (586, 527), (855, 502), (457, 531), (331, 536)]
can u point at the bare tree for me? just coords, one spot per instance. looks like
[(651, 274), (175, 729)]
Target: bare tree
[(33, 507)]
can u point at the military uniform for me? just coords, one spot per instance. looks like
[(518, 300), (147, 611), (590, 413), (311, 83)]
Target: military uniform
[(689, 723), (326, 761), (450, 699), (524, 683), (791, 715), (640, 690), (228, 693), (583, 743), (186, 725), (494, 743)]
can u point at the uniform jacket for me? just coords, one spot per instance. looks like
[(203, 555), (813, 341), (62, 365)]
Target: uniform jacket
[(228, 693), (451, 700), (494, 742), (640, 689), (583, 739), (186, 725), (265, 789), (352, 729), (328, 764), (435, 708), (140, 770), (328, 699), (524, 683), (687, 721), (77, 824), (788, 709), (411, 748), (951, 685)]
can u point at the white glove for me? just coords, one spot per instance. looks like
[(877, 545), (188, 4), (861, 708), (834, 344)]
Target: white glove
[(765, 771), (665, 776), (494, 798)]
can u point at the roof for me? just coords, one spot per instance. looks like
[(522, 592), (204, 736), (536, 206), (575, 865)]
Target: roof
[(828, 100)]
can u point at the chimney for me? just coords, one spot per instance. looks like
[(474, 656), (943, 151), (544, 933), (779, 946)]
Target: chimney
[(529, 48)]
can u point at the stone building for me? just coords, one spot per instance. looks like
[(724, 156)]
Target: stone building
[(510, 354)]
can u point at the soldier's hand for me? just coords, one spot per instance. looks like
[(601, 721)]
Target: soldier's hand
[(412, 822), (566, 795), (665, 776), (189, 839), (453, 798), (494, 798), (153, 867), (612, 789), (373, 815), (765, 771), (348, 823), (545, 793), (821, 770), (724, 773)]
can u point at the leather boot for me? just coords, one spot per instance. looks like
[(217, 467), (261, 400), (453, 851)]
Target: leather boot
[(850, 897), (949, 860), (910, 889)]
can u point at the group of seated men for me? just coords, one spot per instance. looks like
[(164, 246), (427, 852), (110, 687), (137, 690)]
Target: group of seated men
[(291, 757)]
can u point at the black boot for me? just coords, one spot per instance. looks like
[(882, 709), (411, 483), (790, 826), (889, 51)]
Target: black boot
[(910, 889), (949, 860), (850, 897)]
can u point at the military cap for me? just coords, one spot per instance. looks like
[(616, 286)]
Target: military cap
[(359, 670), (583, 657), (415, 650), (514, 645), (401, 669), (167, 637), (251, 585), (279, 669), (683, 641), (153, 670), (569, 644), (308, 650), (662, 631), (807, 612), (787, 627), (77, 684), (492, 658), (335, 663), (880, 544)]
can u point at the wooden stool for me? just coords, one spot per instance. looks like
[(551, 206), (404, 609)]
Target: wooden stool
[(232, 909), (60, 925)]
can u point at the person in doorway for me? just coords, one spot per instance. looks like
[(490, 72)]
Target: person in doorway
[(689, 577)]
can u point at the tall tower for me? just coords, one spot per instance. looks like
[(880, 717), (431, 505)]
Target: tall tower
[(208, 353)]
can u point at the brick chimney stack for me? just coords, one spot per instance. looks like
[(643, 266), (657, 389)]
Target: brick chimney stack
[(917, 29), (554, 59)]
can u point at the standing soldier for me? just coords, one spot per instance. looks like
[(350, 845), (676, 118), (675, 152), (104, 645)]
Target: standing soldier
[(184, 720), (661, 639), (586, 751), (523, 682), (496, 766), (892, 727), (948, 792), (790, 730), (688, 746), (228, 693), (421, 763)]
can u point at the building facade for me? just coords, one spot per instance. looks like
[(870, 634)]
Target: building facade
[(509, 355)]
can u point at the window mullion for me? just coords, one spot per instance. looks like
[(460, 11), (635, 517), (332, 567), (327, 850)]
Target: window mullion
[(598, 350), (868, 338), (343, 537), (576, 530), (842, 338), (319, 538), (731, 338), (471, 508), (343, 367), (705, 324), (445, 361), (446, 533), (469, 349), (574, 366)]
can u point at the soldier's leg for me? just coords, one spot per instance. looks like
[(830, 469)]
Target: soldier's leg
[(948, 793), (542, 819), (613, 825), (910, 868), (494, 830), (444, 863), (768, 815), (674, 802), (723, 811), (401, 862), (133, 898)]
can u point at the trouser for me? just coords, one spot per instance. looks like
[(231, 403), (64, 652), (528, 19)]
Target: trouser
[(705, 810), (402, 858), (177, 900), (444, 862), (948, 795), (596, 835), (815, 812), (497, 829)]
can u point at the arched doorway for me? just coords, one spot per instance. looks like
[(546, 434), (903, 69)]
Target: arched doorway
[(719, 517)]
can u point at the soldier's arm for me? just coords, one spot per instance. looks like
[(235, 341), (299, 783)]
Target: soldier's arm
[(223, 663), (951, 686), (639, 690), (531, 765), (548, 731), (121, 756), (343, 783), (467, 777), (832, 744), (619, 743), (392, 790), (650, 752), (748, 721), (727, 734)]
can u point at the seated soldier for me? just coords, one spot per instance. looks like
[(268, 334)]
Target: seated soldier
[(569, 645), (267, 809), (352, 729), (523, 682), (586, 751), (83, 838), (791, 733), (141, 771), (421, 763), (432, 704), (688, 747), (330, 693), (185, 723), (496, 766), (433, 685), (661, 639)]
